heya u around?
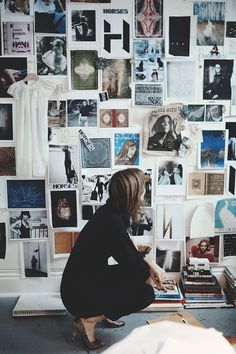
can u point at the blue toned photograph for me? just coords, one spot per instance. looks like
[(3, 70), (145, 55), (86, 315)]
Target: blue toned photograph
[(225, 215), (127, 149), (26, 194), (212, 154)]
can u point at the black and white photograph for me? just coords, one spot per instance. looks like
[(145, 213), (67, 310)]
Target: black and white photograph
[(231, 151), (179, 36), (34, 259), (51, 55), (11, 70), (64, 209), (145, 225), (203, 247), (147, 202), (17, 8), (88, 210), (169, 255), (229, 245), (57, 114), (50, 16), (217, 75), (82, 113), (100, 157), (2, 240), (28, 224), (194, 112), (18, 38), (7, 161), (95, 188), (6, 122), (83, 25), (170, 177), (214, 113), (148, 95), (231, 29), (63, 166)]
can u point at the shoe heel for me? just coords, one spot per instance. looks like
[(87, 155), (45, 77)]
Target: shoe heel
[(74, 332)]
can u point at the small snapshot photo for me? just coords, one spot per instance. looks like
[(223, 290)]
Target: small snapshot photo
[(169, 255), (84, 73), (26, 193), (147, 202), (64, 242), (34, 259), (231, 153), (7, 161), (217, 75), (145, 225), (18, 38), (231, 29), (214, 113), (56, 114), (50, 16), (114, 118), (148, 95), (51, 55), (127, 149), (16, 7), (83, 25), (212, 149), (170, 172), (82, 113), (203, 247), (116, 79), (26, 224), (95, 188), (194, 112), (2, 240), (6, 122), (225, 215), (63, 209), (63, 166), (229, 245), (100, 157), (11, 70)]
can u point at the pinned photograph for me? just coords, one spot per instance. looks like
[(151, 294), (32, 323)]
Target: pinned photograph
[(225, 215), (179, 36), (103, 96), (147, 202), (11, 70), (26, 193), (84, 74), (16, 7), (203, 247), (212, 149), (171, 177), (100, 157), (51, 55), (63, 166), (205, 183), (50, 16), (148, 18), (95, 188), (34, 259), (7, 161), (114, 118), (2, 240), (18, 38), (162, 130), (231, 29), (169, 255), (214, 113), (126, 149), (82, 113), (83, 25), (231, 182), (26, 224), (194, 112), (56, 114), (148, 95), (229, 245), (145, 225), (171, 222), (6, 122), (63, 209), (231, 153), (64, 242)]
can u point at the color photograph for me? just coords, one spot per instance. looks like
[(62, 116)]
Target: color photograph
[(114, 118), (127, 149), (57, 114), (203, 247), (212, 149), (50, 16), (26, 193), (148, 18)]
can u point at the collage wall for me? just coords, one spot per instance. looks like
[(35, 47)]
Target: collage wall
[(91, 87)]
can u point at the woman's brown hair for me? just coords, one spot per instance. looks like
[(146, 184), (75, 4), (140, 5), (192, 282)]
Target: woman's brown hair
[(125, 189)]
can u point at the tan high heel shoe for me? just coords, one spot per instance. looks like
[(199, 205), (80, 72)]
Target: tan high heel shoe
[(78, 328)]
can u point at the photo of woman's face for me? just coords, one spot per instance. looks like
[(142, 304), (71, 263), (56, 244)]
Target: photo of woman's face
[(203, 247), (131, 151), (165, 125)]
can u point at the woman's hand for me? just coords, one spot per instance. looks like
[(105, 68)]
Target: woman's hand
[(157, 275)]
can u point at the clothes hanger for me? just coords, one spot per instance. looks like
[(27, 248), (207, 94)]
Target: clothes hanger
[(31, 76)]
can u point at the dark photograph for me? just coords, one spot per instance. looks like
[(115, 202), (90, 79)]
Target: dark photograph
[(6, 122), (2, 240), (179, 36), (26, 193), (82, 113), (7, 161), (83, 25), (35, 259), (50, 16), (194, 112), (229, 245), (231, 29), (168, 259), (11, 70), (63, 209), (231, 126)]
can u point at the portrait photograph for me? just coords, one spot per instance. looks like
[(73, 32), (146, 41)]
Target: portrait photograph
[(114, 118), (63, 209), (51, 55), (229, 245), (34, 256), (148, 95), (148, 18), (57, 114), (17, 8), (212, 149), (63, 166), (50, 17), (82, 113), (7, 161), (216, 79), (11, 70), (100, 157), (231, 146), (6, 122), (95, 188), (210, 22), (83, 25), (214, 113), (127, 149), (203, 247), (25, 224), (145, 225), (225, 215), (170, 177), (2, 240), (194, 112), (171, 223), (26, 193), (170, 255), (84, 73), (64, 242)]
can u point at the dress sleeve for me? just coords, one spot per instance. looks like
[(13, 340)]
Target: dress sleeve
[(125, 253), (13, 90)]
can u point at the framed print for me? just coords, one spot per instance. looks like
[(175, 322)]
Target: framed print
[(6, 122), (114, 118), (63, 209), (25, 224), (148, 17), (18, 38), (126, 150), (212, 149), (82, 113), (26, 193), (63, 243), (100, 157), (34, 259), (50, 17), (11, 70), (2, 240), (57, 113), (7, 161), (203, 247), (95, 188), (171, 177), (148, 95), (225, 215), (84, 74)]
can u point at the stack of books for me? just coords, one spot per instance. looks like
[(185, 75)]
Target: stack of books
[(230, 284), (168, 299), (201, 289)]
